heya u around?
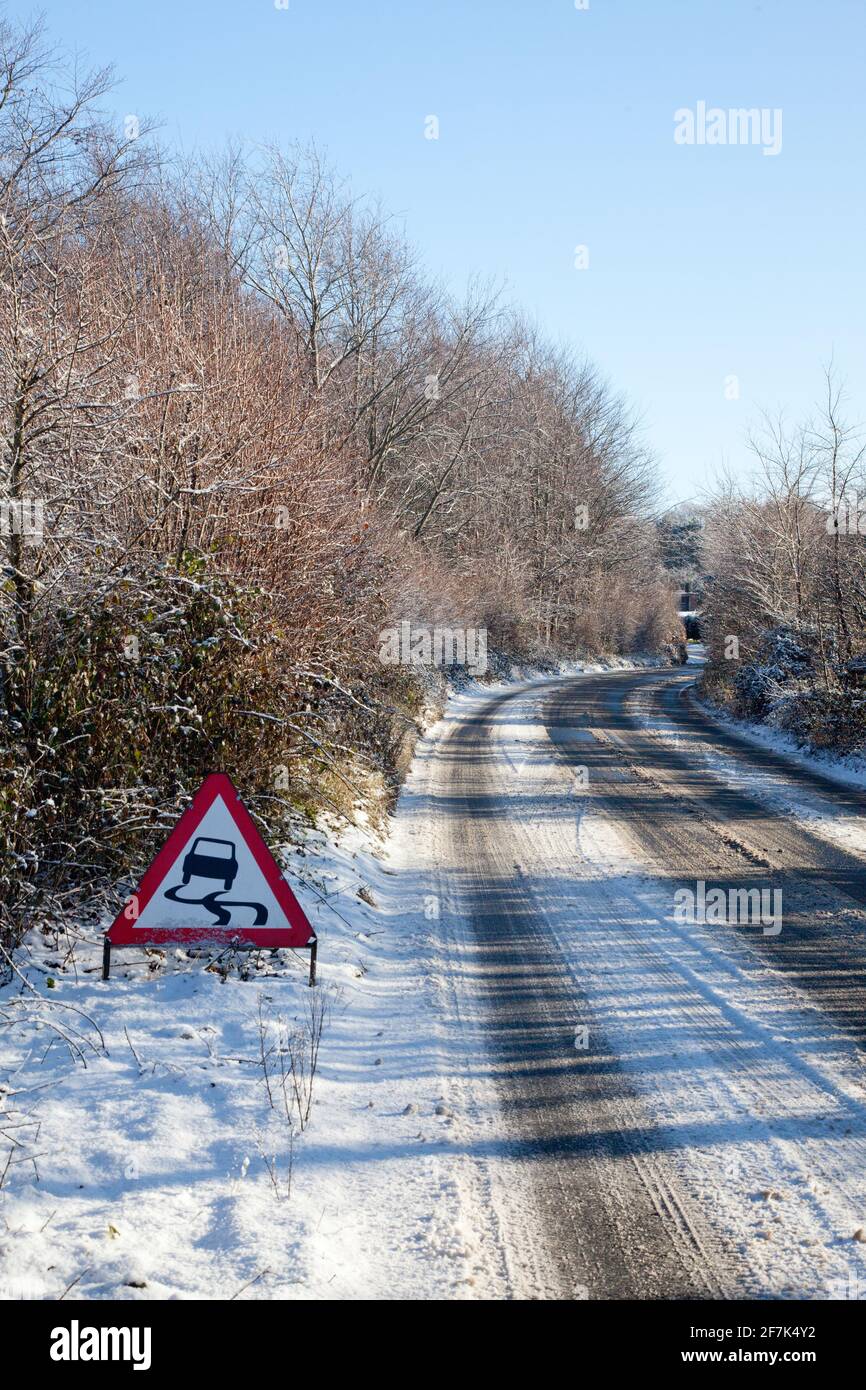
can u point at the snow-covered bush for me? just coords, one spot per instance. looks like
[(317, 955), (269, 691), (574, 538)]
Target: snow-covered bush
[(782, 662), (833, 720), (786, 684), (139, 686)]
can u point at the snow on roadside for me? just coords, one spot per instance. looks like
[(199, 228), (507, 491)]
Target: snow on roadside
[(151, 1158), (849, 769), (811, 807)]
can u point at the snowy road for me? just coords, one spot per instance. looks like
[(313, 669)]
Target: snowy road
[(537, 1079), (649, 1107)]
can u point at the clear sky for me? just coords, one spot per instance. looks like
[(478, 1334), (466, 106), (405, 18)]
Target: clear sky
[(556, 130)]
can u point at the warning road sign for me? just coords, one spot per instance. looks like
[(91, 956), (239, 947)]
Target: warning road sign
[(213, 880)]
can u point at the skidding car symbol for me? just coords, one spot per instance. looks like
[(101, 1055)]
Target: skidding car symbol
[(216, 859)]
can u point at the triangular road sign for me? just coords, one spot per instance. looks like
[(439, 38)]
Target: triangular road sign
[(214, 880)]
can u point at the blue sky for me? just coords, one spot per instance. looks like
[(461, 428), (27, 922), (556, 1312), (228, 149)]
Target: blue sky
[(556, 130)]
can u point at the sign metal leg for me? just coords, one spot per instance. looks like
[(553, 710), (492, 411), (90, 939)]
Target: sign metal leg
[(106, 959)]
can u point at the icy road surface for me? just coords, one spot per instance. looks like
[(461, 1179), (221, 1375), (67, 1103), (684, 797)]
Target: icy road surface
[(648, 1108)]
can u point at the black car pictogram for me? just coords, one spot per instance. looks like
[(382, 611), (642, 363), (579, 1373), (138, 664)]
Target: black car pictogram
[(211, 859)]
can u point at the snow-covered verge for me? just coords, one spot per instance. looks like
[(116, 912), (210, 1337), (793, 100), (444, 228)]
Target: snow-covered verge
[(148, 1161), (848, 768)]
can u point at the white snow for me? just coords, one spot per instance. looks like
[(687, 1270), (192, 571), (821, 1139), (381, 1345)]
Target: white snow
[(152, 1180)]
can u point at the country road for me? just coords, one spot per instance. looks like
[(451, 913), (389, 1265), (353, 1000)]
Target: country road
[(652, 1107), (432, 673)]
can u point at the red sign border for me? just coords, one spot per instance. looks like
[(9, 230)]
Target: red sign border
[(123, 932)]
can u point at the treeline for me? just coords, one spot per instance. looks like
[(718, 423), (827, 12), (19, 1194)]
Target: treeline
[(242, 434), (785, 618)]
